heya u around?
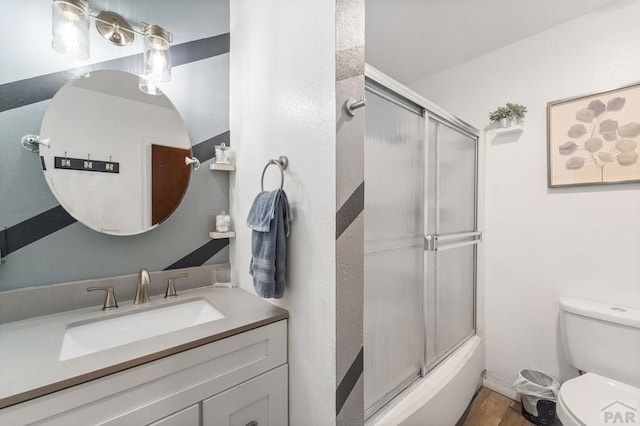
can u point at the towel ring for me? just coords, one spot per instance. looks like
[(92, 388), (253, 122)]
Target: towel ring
[(282, 162)]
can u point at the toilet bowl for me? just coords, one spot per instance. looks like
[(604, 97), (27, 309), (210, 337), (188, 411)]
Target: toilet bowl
[(604, 341)]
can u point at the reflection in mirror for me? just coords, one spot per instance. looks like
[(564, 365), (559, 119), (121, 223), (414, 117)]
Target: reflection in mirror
[(117, 156)]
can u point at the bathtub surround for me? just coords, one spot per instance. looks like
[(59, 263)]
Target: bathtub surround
[(543, 243), (293, 66), (37, 227)]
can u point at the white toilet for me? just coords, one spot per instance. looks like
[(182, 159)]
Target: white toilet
[(603, 341)]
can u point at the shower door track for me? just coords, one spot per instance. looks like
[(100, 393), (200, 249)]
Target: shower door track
[(383, 83)]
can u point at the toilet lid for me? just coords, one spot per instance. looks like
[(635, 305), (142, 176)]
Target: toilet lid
[(593, 399)]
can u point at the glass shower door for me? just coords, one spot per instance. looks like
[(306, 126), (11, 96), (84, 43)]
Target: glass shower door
[(420, 242), (394, 247), (450, 243)]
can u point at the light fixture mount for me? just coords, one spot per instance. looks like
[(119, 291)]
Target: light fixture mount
[(157, 36), (114, 28), (73, 6)]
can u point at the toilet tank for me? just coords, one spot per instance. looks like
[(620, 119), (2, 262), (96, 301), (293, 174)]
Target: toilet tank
[(601, 338)]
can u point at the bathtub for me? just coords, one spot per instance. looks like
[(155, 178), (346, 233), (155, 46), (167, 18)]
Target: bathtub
[(441, 397)]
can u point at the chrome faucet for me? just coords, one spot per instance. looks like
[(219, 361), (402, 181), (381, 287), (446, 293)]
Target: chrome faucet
[(142, 292)]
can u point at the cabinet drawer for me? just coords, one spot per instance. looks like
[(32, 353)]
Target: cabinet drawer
[(261, 401), (152, 391), (187, 417)]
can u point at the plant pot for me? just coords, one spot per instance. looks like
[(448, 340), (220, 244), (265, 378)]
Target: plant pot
[(505, 122)]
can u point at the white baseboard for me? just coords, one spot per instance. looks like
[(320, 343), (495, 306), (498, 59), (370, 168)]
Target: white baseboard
[(501, 388)]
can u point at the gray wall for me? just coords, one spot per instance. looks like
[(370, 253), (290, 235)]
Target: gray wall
[(44, 244), (350, 48)]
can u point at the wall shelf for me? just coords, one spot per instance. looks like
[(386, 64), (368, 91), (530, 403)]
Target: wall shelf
[(222, 167), (225, 168), (220, 235), (507, 130)]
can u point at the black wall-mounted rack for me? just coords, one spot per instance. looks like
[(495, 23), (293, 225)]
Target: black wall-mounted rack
[(86, 165)]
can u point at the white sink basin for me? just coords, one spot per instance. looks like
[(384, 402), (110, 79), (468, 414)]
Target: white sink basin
[(83, 338)]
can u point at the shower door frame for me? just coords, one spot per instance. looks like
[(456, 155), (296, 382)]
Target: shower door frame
[(432, 110), (431, 243), (384, 84)]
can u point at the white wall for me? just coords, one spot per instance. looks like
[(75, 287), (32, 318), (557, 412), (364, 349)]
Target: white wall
[(543, 243), (282, 102)]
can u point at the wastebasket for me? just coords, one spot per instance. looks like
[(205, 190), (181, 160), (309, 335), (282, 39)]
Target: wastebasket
[(538, 391)]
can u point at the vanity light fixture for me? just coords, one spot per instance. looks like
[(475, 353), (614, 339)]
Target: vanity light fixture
[(70, 28), (157, 58), (71, 37)]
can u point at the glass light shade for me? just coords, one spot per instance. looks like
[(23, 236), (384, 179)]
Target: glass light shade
[(157, 55), (157, 59), (70, 28), (149, 87)]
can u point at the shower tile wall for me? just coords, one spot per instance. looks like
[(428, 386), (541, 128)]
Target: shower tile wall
[(45, 245)]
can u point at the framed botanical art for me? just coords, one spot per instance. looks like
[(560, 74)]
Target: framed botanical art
[(594, 139)]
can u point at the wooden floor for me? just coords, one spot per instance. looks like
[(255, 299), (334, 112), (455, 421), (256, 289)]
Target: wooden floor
[(492, 409)]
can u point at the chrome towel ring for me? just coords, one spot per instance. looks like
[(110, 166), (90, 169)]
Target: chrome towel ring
[(282, 162)]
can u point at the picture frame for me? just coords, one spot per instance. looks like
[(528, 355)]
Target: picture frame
[(594, 139)]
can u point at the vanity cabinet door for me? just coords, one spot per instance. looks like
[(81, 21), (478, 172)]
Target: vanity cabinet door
[(187, 417), (261, 401)]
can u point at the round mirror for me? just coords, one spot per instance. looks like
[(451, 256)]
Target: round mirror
[(116, 161)]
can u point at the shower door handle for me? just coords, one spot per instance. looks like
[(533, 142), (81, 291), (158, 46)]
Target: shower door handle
[(434, 242)]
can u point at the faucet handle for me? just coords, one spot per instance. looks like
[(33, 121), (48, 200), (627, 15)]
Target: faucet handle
[(110, 301), (171, 289)]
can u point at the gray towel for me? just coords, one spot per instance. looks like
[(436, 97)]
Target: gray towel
[(269, 219)]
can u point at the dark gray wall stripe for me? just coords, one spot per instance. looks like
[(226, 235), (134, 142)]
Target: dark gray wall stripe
[(350, 210), (200, 49), (349, 63), (50, 221), (36, 89), (205, 150), (200, 255), (3, 244), (349, 381), (36, 227)]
